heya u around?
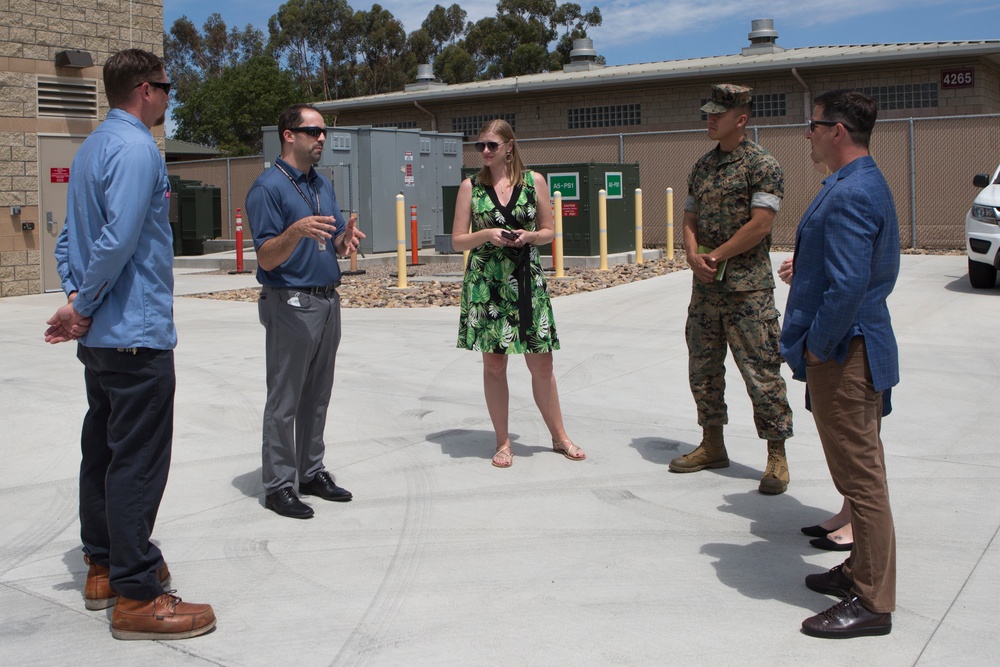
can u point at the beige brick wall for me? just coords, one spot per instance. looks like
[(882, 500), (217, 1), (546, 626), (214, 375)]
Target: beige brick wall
[(31, 33), (676, 107)]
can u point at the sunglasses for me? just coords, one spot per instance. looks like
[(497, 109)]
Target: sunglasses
[(311, 130), (492, 145), (162, 85), (826, 123)]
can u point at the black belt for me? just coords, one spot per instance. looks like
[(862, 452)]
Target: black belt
[(326, 289), (522, 273)]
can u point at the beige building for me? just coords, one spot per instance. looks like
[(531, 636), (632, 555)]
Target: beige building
[(51, 98), (939, 119)]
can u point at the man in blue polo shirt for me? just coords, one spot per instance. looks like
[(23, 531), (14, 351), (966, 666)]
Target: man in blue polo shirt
[(115, 258), (293, 213)]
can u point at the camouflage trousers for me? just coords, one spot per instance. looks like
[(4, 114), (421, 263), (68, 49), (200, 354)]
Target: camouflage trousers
[(746, 322)]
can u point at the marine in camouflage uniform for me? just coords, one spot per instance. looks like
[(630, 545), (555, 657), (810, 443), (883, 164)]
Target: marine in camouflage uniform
[(734, 191)]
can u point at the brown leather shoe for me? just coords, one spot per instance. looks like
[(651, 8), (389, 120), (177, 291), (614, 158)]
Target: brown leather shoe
[(166, 617), (97, 593), (833, 582), (847, 619)]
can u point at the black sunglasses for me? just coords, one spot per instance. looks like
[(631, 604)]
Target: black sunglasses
[(827, 123), (162, 85), (311, 130), (492, 145)]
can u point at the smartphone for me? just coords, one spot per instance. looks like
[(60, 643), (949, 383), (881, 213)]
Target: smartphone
[(510, 236)]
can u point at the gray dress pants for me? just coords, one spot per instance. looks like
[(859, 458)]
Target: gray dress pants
[(302, 337)]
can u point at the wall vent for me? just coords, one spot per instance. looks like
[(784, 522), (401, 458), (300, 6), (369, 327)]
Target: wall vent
[(67, 98)]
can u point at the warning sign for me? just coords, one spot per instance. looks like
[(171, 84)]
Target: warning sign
[(59, 174), (571, 209)]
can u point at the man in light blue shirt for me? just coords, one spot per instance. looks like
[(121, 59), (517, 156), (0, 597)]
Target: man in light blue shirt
[(115, 258)]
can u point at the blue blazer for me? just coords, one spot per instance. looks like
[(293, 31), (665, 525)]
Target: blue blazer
[(846, 264)]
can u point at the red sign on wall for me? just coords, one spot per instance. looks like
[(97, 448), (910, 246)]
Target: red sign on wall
[(571, 209), (59, 174)]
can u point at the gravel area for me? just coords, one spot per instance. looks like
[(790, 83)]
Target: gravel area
[(438, 284)]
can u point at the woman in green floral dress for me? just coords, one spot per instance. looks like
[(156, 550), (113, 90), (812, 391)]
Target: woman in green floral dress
[(501, 215)]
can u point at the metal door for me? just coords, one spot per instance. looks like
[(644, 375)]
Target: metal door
[(55, 156)]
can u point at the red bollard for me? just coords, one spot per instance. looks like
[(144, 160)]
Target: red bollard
[(239, 242), (414, 243)]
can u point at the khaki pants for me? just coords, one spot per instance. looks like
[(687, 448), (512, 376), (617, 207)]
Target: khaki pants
[(848, 414)]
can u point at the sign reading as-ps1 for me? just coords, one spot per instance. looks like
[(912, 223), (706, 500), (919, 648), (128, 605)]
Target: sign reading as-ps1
[(568, 185), (613, 184)]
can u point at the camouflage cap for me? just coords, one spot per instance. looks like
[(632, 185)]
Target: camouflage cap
[(726, 96)]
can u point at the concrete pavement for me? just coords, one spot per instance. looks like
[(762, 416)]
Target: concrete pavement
[(442, 559)]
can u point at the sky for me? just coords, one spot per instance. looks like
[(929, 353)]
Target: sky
[(640, 31)]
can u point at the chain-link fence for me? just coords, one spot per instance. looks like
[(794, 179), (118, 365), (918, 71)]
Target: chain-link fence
[(928, 162), (233, 177)]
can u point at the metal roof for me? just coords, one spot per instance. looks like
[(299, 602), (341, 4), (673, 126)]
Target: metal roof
[(669, 70), (178, 147)]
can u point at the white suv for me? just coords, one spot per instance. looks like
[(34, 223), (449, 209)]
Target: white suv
[(982, 231)]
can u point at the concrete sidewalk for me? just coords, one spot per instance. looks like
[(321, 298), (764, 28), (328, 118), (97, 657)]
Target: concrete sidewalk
[(442, 559)]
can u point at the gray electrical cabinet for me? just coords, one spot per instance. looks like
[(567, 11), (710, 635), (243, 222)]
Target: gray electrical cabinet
[(369, 166)]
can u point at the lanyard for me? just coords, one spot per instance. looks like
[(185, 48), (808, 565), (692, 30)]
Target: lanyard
[(316, 210)]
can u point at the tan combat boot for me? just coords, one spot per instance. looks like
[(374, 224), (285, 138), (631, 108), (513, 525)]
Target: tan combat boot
[(775, 479), (711, 453)]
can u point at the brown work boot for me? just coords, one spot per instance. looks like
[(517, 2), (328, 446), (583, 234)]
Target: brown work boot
[(711, 453), (775, 479), (97, 594), (166, 617)]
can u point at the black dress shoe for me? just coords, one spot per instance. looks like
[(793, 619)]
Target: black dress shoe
[(834, 582), (816, 531), (846, 619), (286, 503), (322, 485), (830, 545)]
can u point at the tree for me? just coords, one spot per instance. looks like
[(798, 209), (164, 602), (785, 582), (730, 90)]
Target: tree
[(380, 50), (455, 65), (444, 26), (192, 56), (516, 40), (318, 38), (575, 24), (228, 111)]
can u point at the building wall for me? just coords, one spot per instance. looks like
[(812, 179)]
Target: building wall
[(31, 33), (928, 157), (676, 106)]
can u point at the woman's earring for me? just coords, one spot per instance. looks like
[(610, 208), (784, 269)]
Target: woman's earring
[(508, 158)]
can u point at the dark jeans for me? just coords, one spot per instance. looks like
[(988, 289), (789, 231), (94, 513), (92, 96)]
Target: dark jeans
[(125, 443)]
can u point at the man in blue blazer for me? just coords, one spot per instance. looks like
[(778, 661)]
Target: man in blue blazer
[(837, 336)]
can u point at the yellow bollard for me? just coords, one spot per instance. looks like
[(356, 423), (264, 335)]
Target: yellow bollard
[(465, 260), (638, 225), (557, 240), (602, 227), (670, 223), (401, 240)]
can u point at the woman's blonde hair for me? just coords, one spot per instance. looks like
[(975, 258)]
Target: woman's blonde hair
[(515, 168)]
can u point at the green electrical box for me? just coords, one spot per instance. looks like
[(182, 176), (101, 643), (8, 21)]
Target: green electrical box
[(449, 193), (200, 217), (579, 185), (195, 215)]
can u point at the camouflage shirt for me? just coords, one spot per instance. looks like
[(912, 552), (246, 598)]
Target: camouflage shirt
[(720, 191)]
